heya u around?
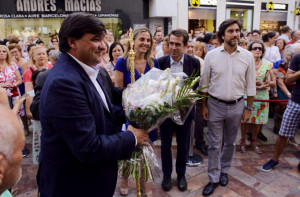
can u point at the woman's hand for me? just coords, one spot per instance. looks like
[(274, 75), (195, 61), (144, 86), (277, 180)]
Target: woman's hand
[(7, 85), (258, 82)]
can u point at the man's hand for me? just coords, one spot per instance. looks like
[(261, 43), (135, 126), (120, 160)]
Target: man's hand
[(141, 135), (246, 116), (204, 112)]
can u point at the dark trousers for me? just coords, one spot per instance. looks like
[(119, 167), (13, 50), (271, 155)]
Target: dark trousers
[(182, 138), (199, 127)]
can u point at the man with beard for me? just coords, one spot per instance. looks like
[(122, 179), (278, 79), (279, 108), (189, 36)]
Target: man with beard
[(228, 72), (12, 141)]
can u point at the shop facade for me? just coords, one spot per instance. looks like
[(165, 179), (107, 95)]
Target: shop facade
[(252, 14), (24, 18)]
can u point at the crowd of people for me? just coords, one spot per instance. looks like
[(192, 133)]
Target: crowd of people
[(72, 88)]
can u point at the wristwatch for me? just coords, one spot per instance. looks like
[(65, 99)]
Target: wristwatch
[(248, 108)]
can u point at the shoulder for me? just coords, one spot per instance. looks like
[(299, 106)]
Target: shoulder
[(121, 64)]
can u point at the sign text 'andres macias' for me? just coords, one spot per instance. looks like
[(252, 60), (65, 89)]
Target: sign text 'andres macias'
[(51, 6)]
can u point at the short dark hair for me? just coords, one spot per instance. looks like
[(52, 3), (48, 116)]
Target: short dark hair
[(256, 31), (285, 28), (226, 24), (215, 36), (76, 25), (180, 33), (257, 42), (266, 37), (112, 46), (207, 37)]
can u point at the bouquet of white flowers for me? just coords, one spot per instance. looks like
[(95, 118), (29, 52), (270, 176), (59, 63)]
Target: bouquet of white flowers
[(148, 102)]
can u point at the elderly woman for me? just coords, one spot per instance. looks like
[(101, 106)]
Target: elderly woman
[(260, 110), (280, 43), (165, 48), (10, 77), (143, 43), (116, 50), (53, 56), (39, 59)]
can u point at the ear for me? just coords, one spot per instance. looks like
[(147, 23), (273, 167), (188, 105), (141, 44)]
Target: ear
[(1, 168), (223, 37), (71, 42)]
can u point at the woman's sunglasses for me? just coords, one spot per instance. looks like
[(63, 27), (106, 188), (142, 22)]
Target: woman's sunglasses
[(257, 48)]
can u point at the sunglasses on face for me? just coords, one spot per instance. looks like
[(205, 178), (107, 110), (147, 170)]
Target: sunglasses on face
[(257, 48)]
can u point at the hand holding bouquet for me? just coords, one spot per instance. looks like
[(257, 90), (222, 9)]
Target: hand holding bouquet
[(148, 102)]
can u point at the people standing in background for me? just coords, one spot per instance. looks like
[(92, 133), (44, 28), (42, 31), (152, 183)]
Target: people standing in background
[(116, 50), (256, 35), (280, 43), (295, 36), (165, 48), (272, 52), (158, 36), (215, 41), (285, 33)]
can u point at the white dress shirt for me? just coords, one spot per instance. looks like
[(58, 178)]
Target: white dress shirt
[(229, 75), (272, 54), (92, 72), (176, 67)]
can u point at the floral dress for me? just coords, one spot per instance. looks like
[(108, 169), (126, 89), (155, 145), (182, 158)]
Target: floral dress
[(8, 76), (260, 110)]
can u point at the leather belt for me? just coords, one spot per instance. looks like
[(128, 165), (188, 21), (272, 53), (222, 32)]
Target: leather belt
[(226, 102)]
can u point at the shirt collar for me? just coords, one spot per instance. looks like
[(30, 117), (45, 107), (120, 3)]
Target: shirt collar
[(91, 71), (238, 49), (180, 61)]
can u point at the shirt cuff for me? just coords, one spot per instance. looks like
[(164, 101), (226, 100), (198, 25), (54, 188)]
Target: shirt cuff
[(127, 124)]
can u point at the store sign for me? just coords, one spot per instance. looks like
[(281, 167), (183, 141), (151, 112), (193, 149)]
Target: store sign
[(195, 3), (270, 6), (297, 11), (54, 8), (51, 6), (278, 6)]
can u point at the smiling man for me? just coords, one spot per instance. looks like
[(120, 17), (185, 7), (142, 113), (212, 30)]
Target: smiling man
[(228, 72), (80, 145), (178, 62)]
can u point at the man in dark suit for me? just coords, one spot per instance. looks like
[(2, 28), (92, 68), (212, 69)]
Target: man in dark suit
[(178, 62), (80, 145)]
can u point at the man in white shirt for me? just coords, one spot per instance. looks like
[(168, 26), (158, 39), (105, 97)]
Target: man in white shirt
[(158, 36), (228, 72), (286, 33)]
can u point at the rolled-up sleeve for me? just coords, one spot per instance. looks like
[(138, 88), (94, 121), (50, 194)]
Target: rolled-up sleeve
[(250, 78)]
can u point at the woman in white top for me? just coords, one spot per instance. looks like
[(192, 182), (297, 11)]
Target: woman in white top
[(272, 52)]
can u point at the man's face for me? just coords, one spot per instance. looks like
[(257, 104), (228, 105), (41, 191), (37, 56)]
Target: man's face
[(13, 171), (89, 48), (109, 37), (215, 43), (176, 46), (197, 33), (232, 35), (297, 36), (158, 36), (190, 48), (255, 36)]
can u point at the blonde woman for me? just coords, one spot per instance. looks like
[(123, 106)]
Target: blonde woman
[(143, 43), (39, 59)]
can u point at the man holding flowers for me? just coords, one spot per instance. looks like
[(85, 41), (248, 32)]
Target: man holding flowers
[(177, 62)]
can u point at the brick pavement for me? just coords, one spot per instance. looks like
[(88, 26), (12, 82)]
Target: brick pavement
[(245, 177)]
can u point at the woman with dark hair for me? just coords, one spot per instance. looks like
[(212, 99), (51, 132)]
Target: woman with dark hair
[(280, 43), (116, 50), (260, 110), (272, 53), (143, 43)]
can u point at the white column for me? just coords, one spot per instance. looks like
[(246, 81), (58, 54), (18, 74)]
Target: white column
[(256, 15), (291, 16), (221, 13), (182, 14)]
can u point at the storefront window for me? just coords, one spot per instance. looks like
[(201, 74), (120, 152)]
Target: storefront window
[(243, 15), (268, 24), (203, 19), (44, 27)]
